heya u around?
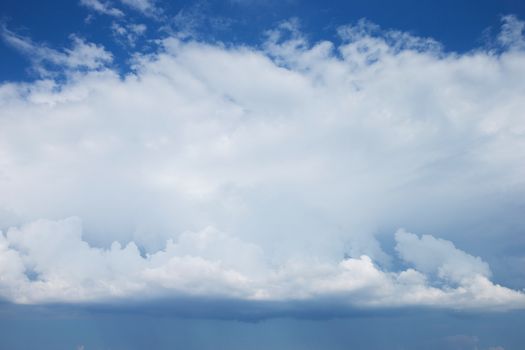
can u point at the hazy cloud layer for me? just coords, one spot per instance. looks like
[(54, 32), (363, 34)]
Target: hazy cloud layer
[(262, 173)]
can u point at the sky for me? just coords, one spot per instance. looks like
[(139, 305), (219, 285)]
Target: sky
[(261, 174)]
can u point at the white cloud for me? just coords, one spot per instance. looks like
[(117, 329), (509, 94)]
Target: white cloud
[(102, 7), (431, 255), (192, 21), (128, 34), (265, 167), (65, 268), (511, 35), (147, 7), (45, 60)]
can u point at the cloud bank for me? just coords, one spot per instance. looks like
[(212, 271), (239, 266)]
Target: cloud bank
[(47, 261), (263, 173)]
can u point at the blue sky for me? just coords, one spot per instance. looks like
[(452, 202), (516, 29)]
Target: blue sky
[(260, 174), (459, 25)]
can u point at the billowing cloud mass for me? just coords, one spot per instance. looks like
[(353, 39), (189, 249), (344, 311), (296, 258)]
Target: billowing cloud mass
[(47, 261), (272, 173)]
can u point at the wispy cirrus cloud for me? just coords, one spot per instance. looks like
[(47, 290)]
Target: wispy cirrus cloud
[(102, 7), (147, 7), (45, 60), (128, 33)]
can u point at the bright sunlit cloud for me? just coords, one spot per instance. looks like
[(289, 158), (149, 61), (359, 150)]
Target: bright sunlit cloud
[(261, 173)]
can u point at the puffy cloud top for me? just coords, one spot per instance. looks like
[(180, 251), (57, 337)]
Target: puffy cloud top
[(261, 173), (48, 261)]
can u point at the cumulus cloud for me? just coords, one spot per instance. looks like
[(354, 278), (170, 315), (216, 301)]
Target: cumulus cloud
[(431, 255), (266, 173), (48, 261)]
